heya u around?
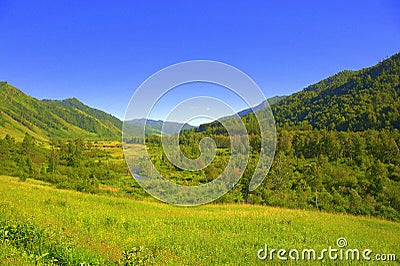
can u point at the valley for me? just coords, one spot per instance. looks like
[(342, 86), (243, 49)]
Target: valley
[(68, 196)]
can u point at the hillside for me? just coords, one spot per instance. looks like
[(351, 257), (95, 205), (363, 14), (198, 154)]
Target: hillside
[(350, 100), (44, 224), (347, 101), (44, 119), (271, 101)]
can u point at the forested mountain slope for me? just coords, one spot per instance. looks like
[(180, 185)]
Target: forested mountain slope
[(350, 100), (45, 119)]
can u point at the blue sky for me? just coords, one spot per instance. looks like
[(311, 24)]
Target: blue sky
[(101, 51)]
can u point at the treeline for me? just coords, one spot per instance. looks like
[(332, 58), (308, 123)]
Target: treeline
[(350, 172), (71, 164)]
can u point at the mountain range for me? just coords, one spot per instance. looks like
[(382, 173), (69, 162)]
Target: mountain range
[(349, 100), (69, 118), (156, 126)]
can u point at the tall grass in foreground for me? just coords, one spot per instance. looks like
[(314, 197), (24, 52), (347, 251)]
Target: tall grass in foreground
[(109, 230)]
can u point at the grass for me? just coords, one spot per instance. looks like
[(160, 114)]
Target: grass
[(110, 230)]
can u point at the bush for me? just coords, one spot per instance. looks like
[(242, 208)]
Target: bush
[(41, 246), (136, 256), (23, 176)]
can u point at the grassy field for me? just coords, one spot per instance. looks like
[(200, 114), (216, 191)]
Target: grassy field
[(43, 225)]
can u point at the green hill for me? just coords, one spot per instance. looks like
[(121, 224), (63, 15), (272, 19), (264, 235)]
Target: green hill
[(44, 119), (350, 100), (347, 101)]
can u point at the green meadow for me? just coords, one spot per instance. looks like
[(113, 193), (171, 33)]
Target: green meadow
[(42, 225)]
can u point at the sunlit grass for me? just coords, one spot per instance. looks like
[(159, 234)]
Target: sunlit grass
[(204, 235)]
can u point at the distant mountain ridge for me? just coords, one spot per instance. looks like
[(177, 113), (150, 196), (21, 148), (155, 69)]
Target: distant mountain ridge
[(271, 101), (156, 126)]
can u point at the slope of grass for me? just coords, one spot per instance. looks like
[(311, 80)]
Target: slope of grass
[(105, 227), (16, 130)]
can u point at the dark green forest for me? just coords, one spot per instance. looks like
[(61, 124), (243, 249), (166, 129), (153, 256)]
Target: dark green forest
[(348, 101), (349, 172)]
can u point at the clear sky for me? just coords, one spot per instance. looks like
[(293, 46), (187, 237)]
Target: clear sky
[(101, 51)]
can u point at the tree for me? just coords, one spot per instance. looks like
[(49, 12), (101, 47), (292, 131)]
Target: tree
[(28, 145)]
